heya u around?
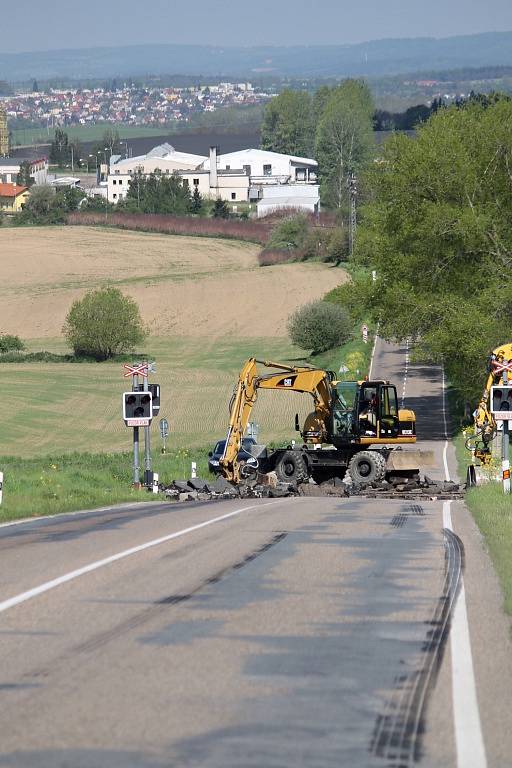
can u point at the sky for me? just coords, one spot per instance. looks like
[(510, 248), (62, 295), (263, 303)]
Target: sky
[(32, 25)]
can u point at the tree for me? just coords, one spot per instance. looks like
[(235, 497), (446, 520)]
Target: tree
[(23, 176), (319, 326), (288, 125), (344, 139), (220, 209), (157, 193), (35, 87), (438, 232), (9, 343), (104, 323), (196, 206), (59, 149)]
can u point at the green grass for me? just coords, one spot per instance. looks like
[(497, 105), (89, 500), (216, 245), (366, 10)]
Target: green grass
[(63, 483), (492, 511), (70, 414), (86, 133)]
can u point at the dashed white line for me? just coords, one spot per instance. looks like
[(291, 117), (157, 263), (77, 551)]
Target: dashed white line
[(48, 585), (373, 351)]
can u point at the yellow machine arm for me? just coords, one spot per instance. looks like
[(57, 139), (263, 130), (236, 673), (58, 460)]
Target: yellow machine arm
[(314, 381), (485, 423)]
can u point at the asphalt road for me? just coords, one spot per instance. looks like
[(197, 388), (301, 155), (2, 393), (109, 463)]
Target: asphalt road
[(312, 632)]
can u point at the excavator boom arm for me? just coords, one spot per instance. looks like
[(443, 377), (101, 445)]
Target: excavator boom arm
[(313, 381)]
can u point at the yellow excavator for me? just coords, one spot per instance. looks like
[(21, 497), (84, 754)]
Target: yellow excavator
[(480, 444), (348, 418)]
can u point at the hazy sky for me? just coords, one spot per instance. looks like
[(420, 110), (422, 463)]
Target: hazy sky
[(35, 25)]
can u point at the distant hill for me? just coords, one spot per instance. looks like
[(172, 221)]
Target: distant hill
[(374, 58)]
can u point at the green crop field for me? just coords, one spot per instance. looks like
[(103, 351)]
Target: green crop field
[(23, 136), (60, 407)]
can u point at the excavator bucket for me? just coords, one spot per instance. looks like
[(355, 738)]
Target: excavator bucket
[(410, 460)]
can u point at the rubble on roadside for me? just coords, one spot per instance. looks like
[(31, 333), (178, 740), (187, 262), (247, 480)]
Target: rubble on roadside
[(268, 486)]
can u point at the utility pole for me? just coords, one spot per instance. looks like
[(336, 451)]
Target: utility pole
[(352, 191)]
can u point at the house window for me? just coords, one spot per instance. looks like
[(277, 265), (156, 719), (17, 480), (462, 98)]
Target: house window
[(120, 181), (185, 184), (233, 195), (300, 174), (228, 167), (114, 195), (114, 182), (117, 171), (196, 182), (247, 169), (267, 170)]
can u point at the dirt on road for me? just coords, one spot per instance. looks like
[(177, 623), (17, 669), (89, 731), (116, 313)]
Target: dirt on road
[(184, 285)]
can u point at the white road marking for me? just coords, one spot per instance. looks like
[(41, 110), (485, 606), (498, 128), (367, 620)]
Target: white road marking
[(373, 351), (445, 449), (48, 585), (469, 739), (64, 515)]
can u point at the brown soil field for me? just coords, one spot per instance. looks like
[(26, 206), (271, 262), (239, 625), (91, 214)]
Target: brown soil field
[(185, 286)]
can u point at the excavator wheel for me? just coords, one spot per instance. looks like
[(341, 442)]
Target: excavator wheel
[(291, 468), (367, 467)]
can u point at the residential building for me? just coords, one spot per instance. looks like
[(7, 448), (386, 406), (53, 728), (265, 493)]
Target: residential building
[(12, 197), (10, 167)]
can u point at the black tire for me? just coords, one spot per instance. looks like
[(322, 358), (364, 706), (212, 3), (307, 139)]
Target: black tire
[(367, 467), (291, 468)]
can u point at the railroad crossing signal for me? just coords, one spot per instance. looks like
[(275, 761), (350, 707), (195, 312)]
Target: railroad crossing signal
[(137, 409), (136, 370), (501, 402)]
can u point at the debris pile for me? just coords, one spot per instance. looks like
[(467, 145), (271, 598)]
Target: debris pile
[(197, 489)]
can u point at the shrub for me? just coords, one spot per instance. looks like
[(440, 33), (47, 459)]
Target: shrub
[(317, 243), (104, 323), (254, 231), (319, 326), (10, 343), (338, 246), (220, 209), (289, 233)]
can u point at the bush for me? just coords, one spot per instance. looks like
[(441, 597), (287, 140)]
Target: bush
[(289, 233), (104, 323), (319, 326), (316, 244), (10, 343), (338, 246)]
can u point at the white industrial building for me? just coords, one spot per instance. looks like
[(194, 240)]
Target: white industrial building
[(250, 175)]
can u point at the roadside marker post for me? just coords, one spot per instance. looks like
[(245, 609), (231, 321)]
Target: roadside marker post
[(364, 330), (164, 433), (194, 469)]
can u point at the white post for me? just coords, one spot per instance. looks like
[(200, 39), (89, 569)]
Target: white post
[(505, 463), (194, 469), (155, 482), (1, 486)]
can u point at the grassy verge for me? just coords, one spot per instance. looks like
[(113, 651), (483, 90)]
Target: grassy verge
[(492, 511), (52, 484)]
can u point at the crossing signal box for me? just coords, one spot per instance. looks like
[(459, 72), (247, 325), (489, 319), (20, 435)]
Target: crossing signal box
[(137, 409), (155, 392), (501, 403)]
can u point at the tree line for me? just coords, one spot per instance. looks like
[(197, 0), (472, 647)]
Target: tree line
[(334, 125), (437, 230)]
